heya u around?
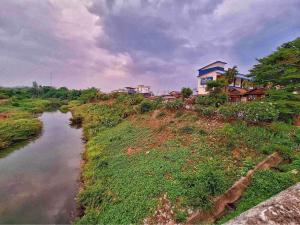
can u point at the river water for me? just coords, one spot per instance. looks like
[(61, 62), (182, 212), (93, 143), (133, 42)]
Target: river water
[(38, 182)]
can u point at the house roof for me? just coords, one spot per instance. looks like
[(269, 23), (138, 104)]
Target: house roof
[(209, 70), (212, 64), (237, 91), (243, 76), (256, 91)]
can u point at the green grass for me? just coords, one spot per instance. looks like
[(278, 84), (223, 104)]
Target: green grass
[(264, 185), (18, 122), (266, 139), (17, 130), (123, 189), (192, 165)]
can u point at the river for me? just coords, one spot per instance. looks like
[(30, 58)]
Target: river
[(39, 182)]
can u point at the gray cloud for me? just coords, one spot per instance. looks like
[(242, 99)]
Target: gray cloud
[(113, 43)]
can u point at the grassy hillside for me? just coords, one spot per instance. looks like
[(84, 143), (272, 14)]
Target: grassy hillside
[(133, 158)]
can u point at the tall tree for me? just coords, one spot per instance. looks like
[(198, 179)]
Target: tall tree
[(282, 67), (230, 74), (280, 72)]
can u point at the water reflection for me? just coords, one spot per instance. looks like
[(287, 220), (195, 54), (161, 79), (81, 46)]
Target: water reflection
[(38, 183)]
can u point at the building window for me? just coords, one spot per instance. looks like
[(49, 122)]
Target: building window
[(204, 80)]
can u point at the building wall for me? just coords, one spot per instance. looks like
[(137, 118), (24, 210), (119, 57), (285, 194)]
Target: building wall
[(142, 89), (202, 87)]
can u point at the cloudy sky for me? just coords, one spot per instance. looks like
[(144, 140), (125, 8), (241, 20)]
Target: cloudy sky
[(114, 43)]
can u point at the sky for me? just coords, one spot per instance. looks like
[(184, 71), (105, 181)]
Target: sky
[(110, 44)]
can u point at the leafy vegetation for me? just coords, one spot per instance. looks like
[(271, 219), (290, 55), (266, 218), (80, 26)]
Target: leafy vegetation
[(174, 105), (280, 72), (264, 185), (253, 112), (186, 92), (16, 130)]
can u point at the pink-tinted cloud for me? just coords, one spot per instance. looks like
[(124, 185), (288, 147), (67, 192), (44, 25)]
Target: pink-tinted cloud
[(115, 43)]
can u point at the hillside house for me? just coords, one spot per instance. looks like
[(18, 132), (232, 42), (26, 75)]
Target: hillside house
[(144, 90), (255, 94), (141, 89), (215, 71), (237, 95)]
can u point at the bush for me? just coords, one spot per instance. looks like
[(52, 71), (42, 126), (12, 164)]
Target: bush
[(146, 106), (206, 111), (186, 92), (213, 99), (135, 99), (174, 105), (251, 112)]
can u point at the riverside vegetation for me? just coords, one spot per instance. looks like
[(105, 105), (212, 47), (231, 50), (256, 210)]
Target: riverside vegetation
[(139, 151), (133, 157), (19, 108)]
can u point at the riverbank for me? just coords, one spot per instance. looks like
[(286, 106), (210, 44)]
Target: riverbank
[(18, 119), (141, 164)]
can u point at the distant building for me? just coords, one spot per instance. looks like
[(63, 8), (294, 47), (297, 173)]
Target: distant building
[(144, 90), (215, 71), (130, 90), (141, 89)]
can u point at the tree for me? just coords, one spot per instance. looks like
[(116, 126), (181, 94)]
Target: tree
[(230, 74), (186, 92), (216, 86), (280, 72), (282, 67)]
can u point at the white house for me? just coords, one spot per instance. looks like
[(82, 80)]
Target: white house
[(142, 89), (214, 71)]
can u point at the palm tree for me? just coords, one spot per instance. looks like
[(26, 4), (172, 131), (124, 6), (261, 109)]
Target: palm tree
[(230, 74)]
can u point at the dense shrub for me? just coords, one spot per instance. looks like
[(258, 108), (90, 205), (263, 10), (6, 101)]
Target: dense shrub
[(205, 111), (135, 99), (213, 99), (250, 112), (174, 105), (186, 92), (146, 106)]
